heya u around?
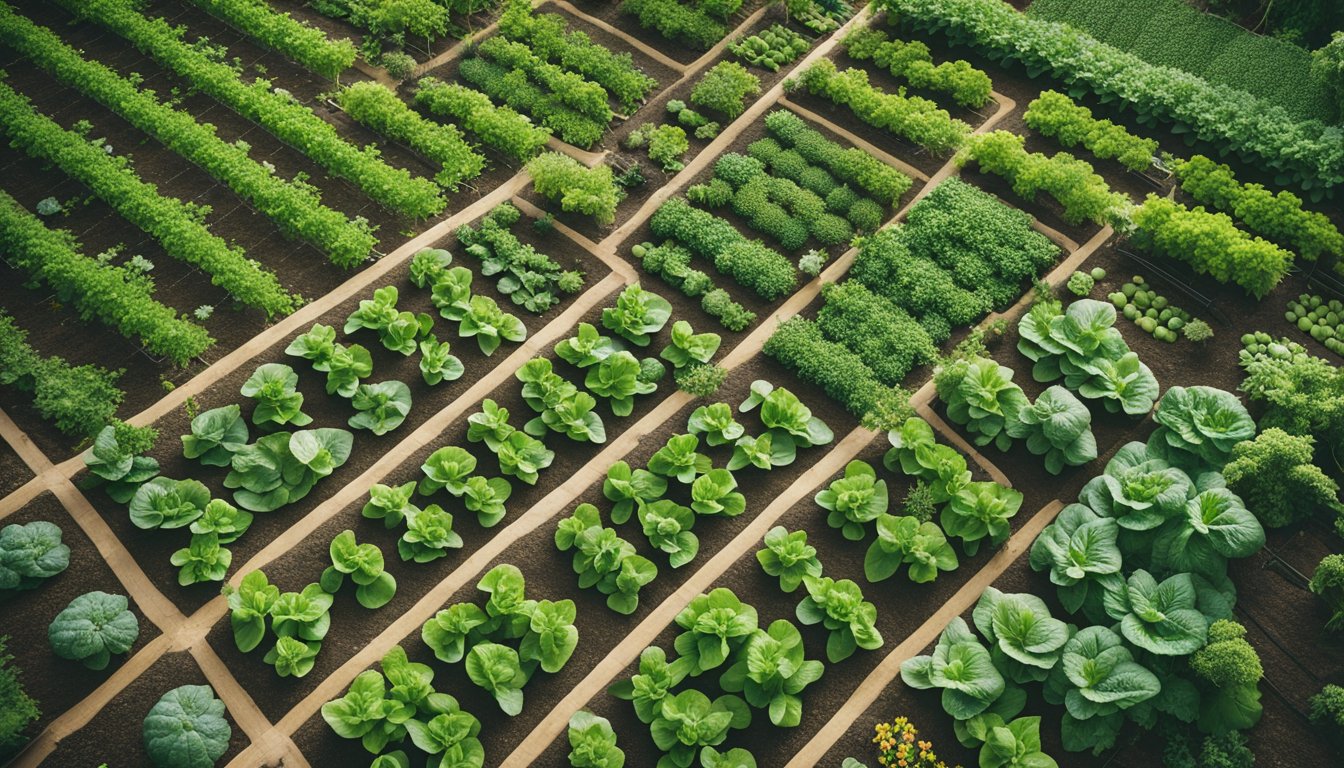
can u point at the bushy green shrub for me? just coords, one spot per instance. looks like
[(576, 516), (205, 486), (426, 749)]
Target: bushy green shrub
[(725, 87)]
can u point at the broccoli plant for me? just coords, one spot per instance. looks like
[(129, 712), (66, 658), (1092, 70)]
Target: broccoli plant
[(388, 503), (428, 536), (1229, 671), (588, 347), (839, 606), (363, 563), (638, 315), (604, 560), (617, 378), (908, 541), (592, 742), (203, 559), (687, 346), (715, 625), (713, 493), (249, 605), (649, 687), (447, 468), (381, 407), (854, 500), (771, 673), (980, 511), (186, 728), (629, 488), (716, 423), (93, 628), (437, 363), (788, 555), (1057, 426), (30, 553), (167, 503), (1277, 476), (667, 526), (496, 669), (1327, 583), (272, 385), (116, 459), (679, 459), (961, 668)]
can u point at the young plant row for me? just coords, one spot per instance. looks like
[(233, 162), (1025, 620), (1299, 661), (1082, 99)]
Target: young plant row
[(296, 208), (279, 31), (911, 61), (79, 400), (500, 128), (385, 113), (1056, 115)]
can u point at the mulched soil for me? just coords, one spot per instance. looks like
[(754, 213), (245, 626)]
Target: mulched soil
[(13, 471), (55, 683), (113, 736)]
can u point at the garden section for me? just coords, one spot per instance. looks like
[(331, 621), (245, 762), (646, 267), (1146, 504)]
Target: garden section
[(585, 462)]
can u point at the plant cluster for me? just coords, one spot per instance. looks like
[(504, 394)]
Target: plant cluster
[(1323, 320), (579, 189), (724, 88), (572, 89), (1056, 115), (504, 643), (836, 199), (770, 48), (512, 88), (476, 315), (281, 468), (887, 339), (848, 164), (592, 742), (532, 279), (79, 400), (672, 263), (749, 262), (279, 31), (776, 206), (705, 129), (912, 61), (519, 453), (602, 559), (563, 408), (17, 708), (1153, 313), (499, 127), (682, 22), (1300, 393), (382, 111), (1083, 193)]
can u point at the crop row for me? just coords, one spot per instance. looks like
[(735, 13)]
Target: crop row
[(307, 45), (384, 112)]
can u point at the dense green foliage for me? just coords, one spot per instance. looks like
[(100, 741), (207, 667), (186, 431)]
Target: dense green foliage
[(912, 61), (912, 118), (849, 164), (17, 708), (1082, 192), (79, 400), (296, 40), (578, 188), (386, 114), (500, 128), (1056, 115), (724, 88), (749, 262), (678, 21)]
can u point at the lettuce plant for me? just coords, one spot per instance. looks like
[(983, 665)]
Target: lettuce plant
[(551, 635), (116, 461), (523, 456), (1025, 640), (980, 395), (347, 366), (688, 721), (167, 503), (617, 378), (363, 563), (317, 345), (788, 555), (667, 526), (561, 406), (203, 559), (716, 423), (1096, 680), (397, 331), (447, 468), (292, 657), (981, 510), (381, 407), (1079, 550), (603, 559), (30, 553), (437, 363), (305, 615), (648, 688), (490, 425), (687, 346), (366, 713), (215, 436), (224, 520), (588, 347), (854, 500), (448, 631), (783, 413), (186, 728), (451, 293), (1137, 489), (638, 315), (496, 669), (1159, 617), (389, 503), (715, 625), (839, 606), (1198, 426), (1215, 527), (1058, 427), (916, 451), (1016, 744), (961, 668), (428, 536), (630, 487), (905, 540), (1081, 345), (249, 605), (770, 673), (486, 497), (94, 627), (713, 493), (592, 742), (272, 385), (282, 468), (450, 738), (428, 265), (736, 757), (679, 459), (509, 609), (771, 449), (490, 325)]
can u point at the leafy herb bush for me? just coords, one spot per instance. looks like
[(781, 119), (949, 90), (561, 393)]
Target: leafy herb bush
[(512, 88), (499, 127), (282, 468), (1327, 583), (912, 118), (93, 628), (750, 263), (912, 61), (17, 708), (530, 278), (186, 728), (725, 87), (675, 21), (1084, 194), (1327, 708), (667, 145), (887, 339), (855, 166), (579, 189), (839, 607), (1056, 115), (1276, 476), (30, 553), (604, 560)]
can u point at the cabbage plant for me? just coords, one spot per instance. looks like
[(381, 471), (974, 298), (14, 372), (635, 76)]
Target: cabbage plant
[(617, 379), (116, 459), (93, 628), (1215, 527), (981, 396), (630, 487), (186, 728), (167, 503), (839, 607), (714, 626), (389, 503), (428, 265), (380, 407), (716, 423), (496, 669), (1080, 551), (638, 315), (215, 436), (363, 563), (1159, 617), (451, 293), (714, 493), (771, 673), (979, 511), (961, 668), (592, 742), (508, 607), (273, 387), (1025, 640), (30, 553), (347, 366), (450, 738), (904, 540), (282, 468), (292, 657), (1198, 426), (854, 500), (1059, 427), (788, 556)]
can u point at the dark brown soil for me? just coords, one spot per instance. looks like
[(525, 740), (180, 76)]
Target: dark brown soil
[(55, 683), (13, 471), (114, 737)]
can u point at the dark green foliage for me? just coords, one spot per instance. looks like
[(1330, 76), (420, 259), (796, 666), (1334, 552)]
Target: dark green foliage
[(749, 262), (883, 335), (79, 400), (677, 21), (17, 708), (1327, 711), (851, 165), (1275, 475)]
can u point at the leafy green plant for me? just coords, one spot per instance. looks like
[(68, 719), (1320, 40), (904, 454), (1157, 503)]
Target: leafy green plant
[(272, 385), (687, 346), (202, 560), (437, 364), (961, 668), (604, 560), (648, 688), (305, 615), (249, 605), (1159, 617), (381, 407), (854, 500), (1215, 526), (679, 459), (486, 497), (629, 488), (617, 378), (366, 713), (448, 737), (1275, 473), (428, 536), (389, 503), (116, 460), (1016, 744), (771, 673), (667, 526), (1327, 583), (1229, 671), (1058, 427), (788, 555), (587, 347), (715, 625), (363, 563), (1097, 679), (215, 436), (523, 456), (509, 609), (18, 708), (551, 635), (839, 606), (578, 189), (347, 366), (981, 396), (447, 468), (1081, 345), (282, 468), (561, 406), (783, 412), (316, 345), (1079, 550), (497, 670), (725, 87), (447, 632), (768, 450), (638, 315), (186, 728), (916, 452), (689, 721), (1198, 426), (489, 425), (167, 503), (715, 421), (713, 494), (93, 628), (31, 553), (292, 657), (398, 331), (909, 541), (1025, 640), (1140, 491), (978, 511), (490, 325), (592, 742)]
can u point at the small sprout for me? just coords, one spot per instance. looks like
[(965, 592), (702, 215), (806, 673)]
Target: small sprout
[(1198, 331), (204, 312), (1080, 284), (48, 206)]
